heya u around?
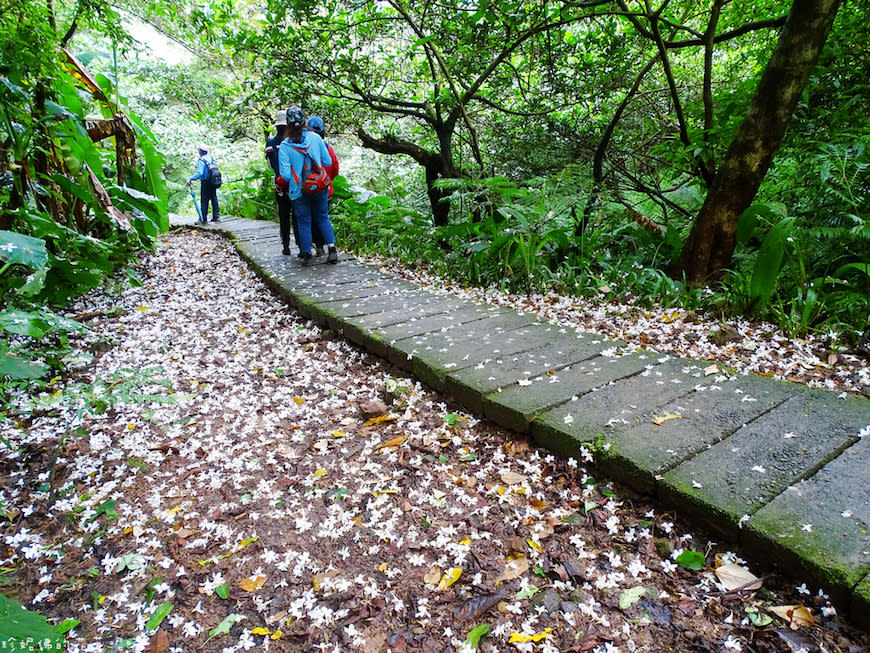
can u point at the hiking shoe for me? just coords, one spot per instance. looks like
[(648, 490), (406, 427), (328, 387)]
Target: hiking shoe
[(333, 255), (307, 259), (318, 250), (215, 219), (286, 251)]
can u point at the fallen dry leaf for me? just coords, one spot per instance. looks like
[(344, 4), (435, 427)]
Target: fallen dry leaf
[(512, 478), (735, 577), (252, 584), (514, 569), (796, 615), (433, 575), (395, 441)]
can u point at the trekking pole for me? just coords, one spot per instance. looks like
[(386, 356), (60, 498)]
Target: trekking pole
[(198, 209)]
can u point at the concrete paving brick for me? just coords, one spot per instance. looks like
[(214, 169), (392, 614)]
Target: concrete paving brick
[(637, 453), (517, 406), (432, 363), (761, 459), (825, 520), (469, 385), (621, 403)]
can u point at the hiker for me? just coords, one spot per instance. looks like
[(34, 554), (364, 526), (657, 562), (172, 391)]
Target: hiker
[(207, 192), (300, 152), (286, 217), (315, 124)]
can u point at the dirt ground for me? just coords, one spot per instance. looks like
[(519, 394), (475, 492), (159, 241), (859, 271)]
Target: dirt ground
[(280, 489)]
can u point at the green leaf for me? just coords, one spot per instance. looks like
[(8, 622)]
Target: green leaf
[(631, 596), (18, 625), (468, 458), (527, 593), (66, 625), (18, 368), (476, 634), (691, 560), (24, 323), (223, 591), (224, 626), (159, 615)]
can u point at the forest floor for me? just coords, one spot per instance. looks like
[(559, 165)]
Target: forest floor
[(296, 494)]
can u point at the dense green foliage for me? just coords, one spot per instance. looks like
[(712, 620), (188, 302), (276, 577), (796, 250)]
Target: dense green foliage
[(74, 206)]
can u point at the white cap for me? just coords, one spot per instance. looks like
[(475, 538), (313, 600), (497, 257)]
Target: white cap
[(202, 147), (281, 118)]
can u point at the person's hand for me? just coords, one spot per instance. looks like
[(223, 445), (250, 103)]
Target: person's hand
[(189, 183), (281, 185)]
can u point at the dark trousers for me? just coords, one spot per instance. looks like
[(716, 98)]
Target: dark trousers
[(208, 193), (286, 220)]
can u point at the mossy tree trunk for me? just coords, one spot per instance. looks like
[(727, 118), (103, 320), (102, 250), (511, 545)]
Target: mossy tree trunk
[(711, 242)]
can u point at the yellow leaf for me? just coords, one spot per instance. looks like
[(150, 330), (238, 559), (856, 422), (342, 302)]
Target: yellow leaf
[(465, 541), (382, 566), (299, 400), (132, 427), (252, 584), (433, 575), (380, 418), (276, 635), (500, 490), (450, 576), (141, 308), (260, 631), (537, 504), (659, 420), (395, 441), (320, 472), (338, 434), (537, 637), (534, 545), (174, 510)]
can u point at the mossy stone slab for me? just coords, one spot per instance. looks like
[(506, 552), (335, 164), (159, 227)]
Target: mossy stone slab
[(636, 453), (438, 354), (760, 460), (623, 402), (469, 385), (859, 605), (416, 317), (515, 407), (821, 525)]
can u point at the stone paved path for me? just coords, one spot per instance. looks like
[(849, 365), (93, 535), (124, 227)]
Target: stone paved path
[(776, 466)]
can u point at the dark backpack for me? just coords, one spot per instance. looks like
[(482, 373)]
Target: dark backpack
[(214, 173)]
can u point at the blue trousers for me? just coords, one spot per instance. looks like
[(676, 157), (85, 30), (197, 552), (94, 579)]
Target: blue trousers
[(312, 211), (208, 193)]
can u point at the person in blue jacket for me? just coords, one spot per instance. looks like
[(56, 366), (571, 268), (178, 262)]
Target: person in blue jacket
[(293, 162), (207, 192)]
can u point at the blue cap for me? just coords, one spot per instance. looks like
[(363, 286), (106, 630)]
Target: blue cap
[(315, 124)]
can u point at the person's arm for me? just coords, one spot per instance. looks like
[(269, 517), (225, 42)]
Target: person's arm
[(201, 171), (325, 159), (332, 169)]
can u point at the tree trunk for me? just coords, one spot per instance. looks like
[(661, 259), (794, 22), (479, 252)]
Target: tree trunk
[(711, 242), (436, 164)]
